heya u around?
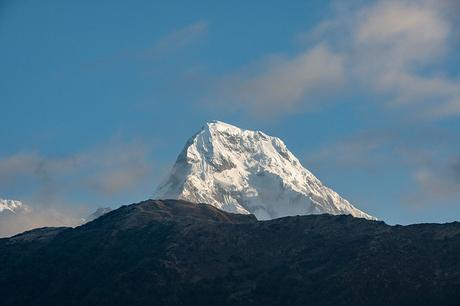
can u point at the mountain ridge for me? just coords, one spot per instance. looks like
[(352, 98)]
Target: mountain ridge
[(181, 253)]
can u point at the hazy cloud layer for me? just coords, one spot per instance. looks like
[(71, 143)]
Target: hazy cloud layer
[(361, 151), (106, 170), (11, 224), (438, 180), (390, 48), (55, 187), (430, 157)]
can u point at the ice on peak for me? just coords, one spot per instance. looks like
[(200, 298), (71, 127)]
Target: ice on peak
[(12, 206), (220, 125), (247, 171)]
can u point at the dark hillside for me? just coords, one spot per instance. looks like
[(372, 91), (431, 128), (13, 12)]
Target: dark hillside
[(179, 253)]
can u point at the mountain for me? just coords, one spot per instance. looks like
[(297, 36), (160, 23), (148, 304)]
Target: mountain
[(246, 172), (12, 206), (180, 253)]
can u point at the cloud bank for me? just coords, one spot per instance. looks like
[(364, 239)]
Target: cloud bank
[(428, 158), (13, 223), (106, 170), (57, 189), (390, 49), (282, 82)]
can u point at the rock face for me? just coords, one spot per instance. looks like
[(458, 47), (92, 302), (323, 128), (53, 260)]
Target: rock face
[(246, 172), (180, 253)]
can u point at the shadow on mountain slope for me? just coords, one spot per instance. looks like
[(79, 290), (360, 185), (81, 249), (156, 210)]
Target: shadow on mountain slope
[(179, 253)]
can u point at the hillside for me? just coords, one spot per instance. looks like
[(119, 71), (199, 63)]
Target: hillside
[(179, 253)]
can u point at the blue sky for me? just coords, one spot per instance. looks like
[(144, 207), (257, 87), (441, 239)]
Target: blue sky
[(98, 97)]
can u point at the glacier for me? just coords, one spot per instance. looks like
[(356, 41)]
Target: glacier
[(248, 172)]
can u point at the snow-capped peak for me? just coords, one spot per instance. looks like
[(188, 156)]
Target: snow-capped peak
[(246, 171), (12, 206)]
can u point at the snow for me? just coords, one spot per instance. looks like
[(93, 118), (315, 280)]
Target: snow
[(246, 172), (12, 206)]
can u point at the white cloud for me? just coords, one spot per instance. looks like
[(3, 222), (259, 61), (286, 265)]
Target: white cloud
[(393, 42), (391, 49), (281, 83), (411, 28)]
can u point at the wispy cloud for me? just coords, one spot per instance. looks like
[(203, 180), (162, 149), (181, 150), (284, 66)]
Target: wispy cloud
[(438, 181), (361, 151), (56, 189), (396, 46), (429, 158), (389, 49), (60, 190), (280, 84), (177, 39), (168, 45), (108, 169)]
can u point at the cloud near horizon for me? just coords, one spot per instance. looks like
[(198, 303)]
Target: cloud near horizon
[(11, 224), (429, 157), (438, 180), (55, 188), (390, 49), (106, 170)]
